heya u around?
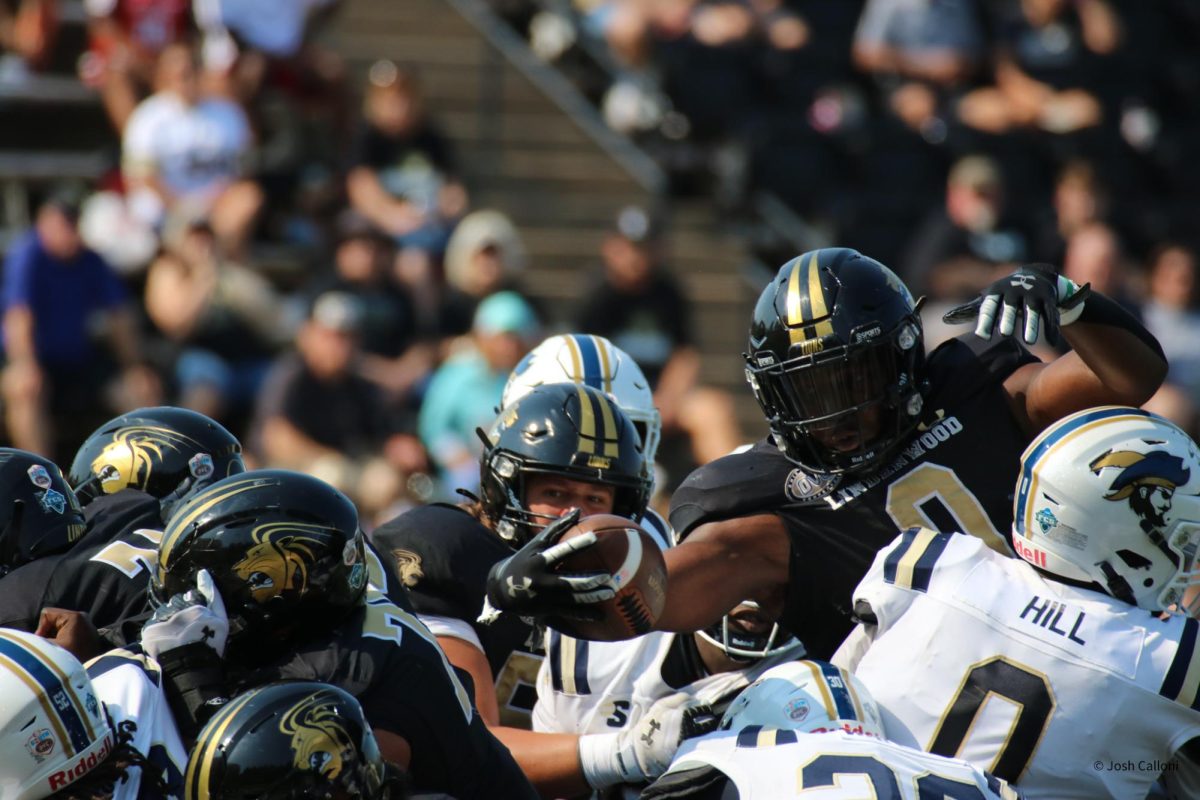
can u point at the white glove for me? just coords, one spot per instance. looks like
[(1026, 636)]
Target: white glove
[(643, 751), (198, 615)]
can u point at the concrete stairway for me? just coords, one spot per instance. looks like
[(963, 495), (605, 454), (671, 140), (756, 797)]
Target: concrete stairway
[(530, 146)]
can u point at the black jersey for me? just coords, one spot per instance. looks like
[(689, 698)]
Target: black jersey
[(384, 657), (442, 554), (956, 474), (105, 574)]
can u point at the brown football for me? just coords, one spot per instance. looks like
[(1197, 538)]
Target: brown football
[(636, 563)]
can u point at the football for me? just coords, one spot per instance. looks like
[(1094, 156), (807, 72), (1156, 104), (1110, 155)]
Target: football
[(636, 563)]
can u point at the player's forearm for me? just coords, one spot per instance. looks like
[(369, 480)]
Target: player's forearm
[(1126, 359), (706, 577), (549, 760)]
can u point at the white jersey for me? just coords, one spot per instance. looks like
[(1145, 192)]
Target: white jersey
[(768, 764), (196, 151), (1065, 692), (130, 686)]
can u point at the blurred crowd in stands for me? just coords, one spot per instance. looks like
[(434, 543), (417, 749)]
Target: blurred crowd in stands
[(951, 139), (306, 268)]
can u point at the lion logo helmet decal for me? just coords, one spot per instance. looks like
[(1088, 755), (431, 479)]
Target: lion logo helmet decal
[(320, 740), (280, 559), (129, 458)]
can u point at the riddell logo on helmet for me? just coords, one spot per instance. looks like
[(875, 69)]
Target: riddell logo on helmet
[(84, 765), (1031, 554), (845, 727)]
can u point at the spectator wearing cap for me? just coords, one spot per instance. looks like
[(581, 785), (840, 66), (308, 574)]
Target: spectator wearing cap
[(485, 255), (224, 320), (402, 174), (465, 390), (318, 414), (54, 380), (392, 354), (641, 308)]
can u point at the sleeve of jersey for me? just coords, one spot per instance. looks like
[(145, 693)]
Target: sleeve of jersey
[(752, 482), (436, 554), (130, 686), (23, 592), (909, 565), (962, 366)]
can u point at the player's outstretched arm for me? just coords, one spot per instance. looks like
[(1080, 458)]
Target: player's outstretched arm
[(719, 565), (1114, 359)]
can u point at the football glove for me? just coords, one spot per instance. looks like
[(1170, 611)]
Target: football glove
[(644, 750), (1045, 299), (525, 583), (196, 616)]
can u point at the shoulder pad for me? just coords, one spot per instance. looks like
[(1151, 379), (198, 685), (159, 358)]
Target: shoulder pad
[(756, 481), (966, 364)]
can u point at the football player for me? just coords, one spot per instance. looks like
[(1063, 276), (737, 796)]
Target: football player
[(70, 733), (815, 729), (559, 447), (599, 690), (264, 576), (39, 514), (127, 473), (869, 435), (1075, 672), (288, 740)]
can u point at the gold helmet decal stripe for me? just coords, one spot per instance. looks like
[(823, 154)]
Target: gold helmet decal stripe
[(612, 445), (180, 523), (200, 764), (576, 360), (818, 308), (587, 421), (795, 317), (605, 366), (826, 697)]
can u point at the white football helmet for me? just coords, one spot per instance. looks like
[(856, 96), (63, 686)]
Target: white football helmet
[(597, 362), (53, 728), (807, 697), (1109, 495)]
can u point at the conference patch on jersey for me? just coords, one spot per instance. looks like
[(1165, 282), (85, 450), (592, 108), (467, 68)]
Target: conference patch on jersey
[(801, 486)]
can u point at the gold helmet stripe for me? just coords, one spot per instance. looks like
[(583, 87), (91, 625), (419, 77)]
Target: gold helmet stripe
[(818, 308), (576, 360), (795, 317), (826, 697), (63, 678), (612, 444), (587, 421), (200, 765), (605, 366), (180, 523), (43, 701)]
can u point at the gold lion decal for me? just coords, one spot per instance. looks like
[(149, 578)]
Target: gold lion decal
[(320, 741), (130, 457), (408, 567), (280, 559)]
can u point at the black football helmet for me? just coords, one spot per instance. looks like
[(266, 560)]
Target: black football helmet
[(39, 514), (284, 550), (563, 429), (293, 740), (155, 450), (834, 360)]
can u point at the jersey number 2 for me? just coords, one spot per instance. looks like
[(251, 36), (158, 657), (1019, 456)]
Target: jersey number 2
[(910, 504)]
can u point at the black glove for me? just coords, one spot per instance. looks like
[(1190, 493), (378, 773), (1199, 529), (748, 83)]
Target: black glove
[(525, 583), (1036, 291)]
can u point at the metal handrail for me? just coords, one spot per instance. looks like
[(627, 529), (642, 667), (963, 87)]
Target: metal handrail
[(640, 166)]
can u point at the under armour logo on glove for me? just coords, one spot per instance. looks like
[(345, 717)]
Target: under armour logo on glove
[(1036, 292), (197, 615), (652, 727), (524, 590)]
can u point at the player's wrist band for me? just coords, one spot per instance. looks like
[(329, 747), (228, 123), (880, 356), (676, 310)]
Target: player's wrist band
[(601, 759)]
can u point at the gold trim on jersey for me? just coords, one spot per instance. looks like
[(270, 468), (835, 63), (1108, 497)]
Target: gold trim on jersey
[(908, 563), (937, 730), (566, 662), (1031, 495)]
